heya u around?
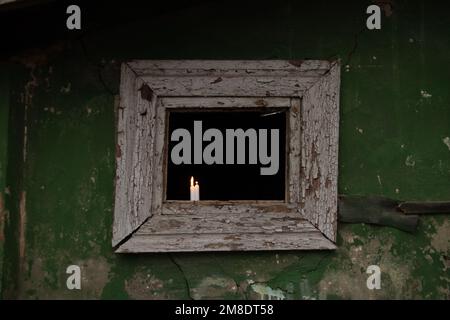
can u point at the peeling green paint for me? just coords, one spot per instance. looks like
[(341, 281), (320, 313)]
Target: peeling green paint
[(395, 115)]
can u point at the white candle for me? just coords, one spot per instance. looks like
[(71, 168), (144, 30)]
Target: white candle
[(195, 190), (192, 188)]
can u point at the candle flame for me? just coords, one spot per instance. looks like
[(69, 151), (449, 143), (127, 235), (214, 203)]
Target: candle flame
[(192, 181)]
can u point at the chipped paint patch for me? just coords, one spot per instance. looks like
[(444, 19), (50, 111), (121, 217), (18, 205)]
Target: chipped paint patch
[(94, 275), (349, 281), (439, 250), (446, 141), (346, 286), (305, 290), (214, 288), (45, 282), (266, 292), (409, 161), (146, 286), (440, 240), (379, 180), (425, 94)]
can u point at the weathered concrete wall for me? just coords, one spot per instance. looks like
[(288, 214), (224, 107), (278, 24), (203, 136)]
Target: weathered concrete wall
[(395, 141)]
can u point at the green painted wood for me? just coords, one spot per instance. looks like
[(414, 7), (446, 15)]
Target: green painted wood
[(375, 210), (424, 207)]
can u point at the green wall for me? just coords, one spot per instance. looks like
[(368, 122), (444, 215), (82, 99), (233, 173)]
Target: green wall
[(394, 141), (4, 111)]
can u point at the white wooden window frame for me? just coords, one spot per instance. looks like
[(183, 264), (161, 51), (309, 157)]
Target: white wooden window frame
[(145, 222)]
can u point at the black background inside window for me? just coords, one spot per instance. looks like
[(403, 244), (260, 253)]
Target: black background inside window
[(226, 181)]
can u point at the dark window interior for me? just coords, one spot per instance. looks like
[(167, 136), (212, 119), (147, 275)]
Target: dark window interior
[(226, 181)]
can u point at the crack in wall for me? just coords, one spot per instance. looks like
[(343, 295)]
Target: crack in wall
[(354, 47), (239, 288), (188, 287)]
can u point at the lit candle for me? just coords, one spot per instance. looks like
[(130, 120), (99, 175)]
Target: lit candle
[(195, 190), (192, 189)]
